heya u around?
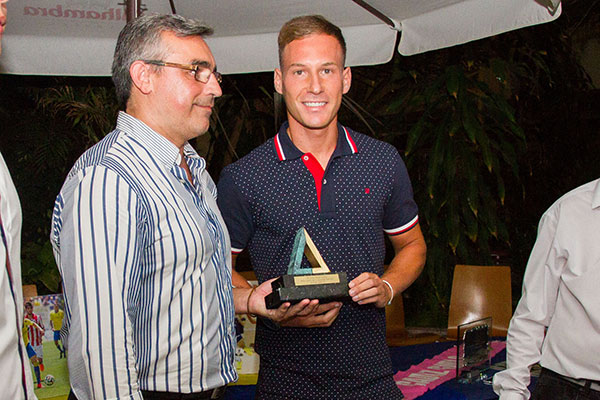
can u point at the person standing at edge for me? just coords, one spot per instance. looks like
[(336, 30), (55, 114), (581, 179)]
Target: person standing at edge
[(16, 378), (56, 317), (35, 338), (557, 320), (141, 246), (348, 190)]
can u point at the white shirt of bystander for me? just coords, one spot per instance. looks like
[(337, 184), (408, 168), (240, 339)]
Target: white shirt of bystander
[(557, 321)]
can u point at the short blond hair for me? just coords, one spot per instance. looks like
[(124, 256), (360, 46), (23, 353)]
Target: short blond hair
[(306, 25)]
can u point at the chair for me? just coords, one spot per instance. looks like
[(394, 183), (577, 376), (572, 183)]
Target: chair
[(396, 332), (480, 292)]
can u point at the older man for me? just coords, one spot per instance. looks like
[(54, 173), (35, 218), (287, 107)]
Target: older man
[(141, 246), (17, 383)]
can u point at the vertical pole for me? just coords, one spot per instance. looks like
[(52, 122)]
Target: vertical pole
[(133, 9)]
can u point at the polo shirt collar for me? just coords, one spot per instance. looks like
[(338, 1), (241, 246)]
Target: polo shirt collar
[(286, 150), (158, 145)]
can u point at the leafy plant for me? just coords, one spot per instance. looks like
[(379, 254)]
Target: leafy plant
[(38, 266), (464, 144)]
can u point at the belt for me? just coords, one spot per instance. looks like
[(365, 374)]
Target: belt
[(216, 393), (584, 383)]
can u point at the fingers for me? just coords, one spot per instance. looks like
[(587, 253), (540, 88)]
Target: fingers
[(368, 288), (287, 311), (325, 307), (326, 319), (303, 310), (324, 316)]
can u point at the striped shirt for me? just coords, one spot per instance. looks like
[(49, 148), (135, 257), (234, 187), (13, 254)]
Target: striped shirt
[(35, 335), (146, 267)]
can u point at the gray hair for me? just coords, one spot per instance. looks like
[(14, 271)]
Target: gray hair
[(140, 39)]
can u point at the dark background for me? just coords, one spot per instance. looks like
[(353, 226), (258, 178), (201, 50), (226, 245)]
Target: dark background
[(493, 132)]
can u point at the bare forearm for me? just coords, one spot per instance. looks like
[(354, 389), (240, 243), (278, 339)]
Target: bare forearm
[(408, 263), (241, 299), (405, 268), (238, 280)]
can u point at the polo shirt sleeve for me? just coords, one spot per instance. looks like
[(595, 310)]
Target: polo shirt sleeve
[(401, 211), (236, 212)]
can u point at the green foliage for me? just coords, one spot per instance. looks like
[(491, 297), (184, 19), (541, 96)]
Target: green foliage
[(465, 143), (53, 126), (38, 266), (90, 110)]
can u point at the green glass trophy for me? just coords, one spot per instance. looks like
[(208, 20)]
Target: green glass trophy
[(317, 282)]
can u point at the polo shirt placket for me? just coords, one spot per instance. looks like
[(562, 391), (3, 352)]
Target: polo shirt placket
[(324, 188)]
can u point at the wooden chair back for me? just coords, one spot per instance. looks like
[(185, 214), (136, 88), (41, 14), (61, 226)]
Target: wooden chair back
[(480, 292)]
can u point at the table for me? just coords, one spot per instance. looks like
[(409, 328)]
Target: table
[(403, 358)]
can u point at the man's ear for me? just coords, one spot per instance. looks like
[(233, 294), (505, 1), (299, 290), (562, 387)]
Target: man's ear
[(278, 81), (141, 76), (346, 80)]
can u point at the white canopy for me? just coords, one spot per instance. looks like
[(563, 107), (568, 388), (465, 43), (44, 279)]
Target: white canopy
[(77, 37)]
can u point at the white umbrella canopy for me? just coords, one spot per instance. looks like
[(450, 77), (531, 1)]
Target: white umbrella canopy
[(77, 37)]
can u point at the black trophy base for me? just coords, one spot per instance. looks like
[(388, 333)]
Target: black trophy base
[(295, 288)]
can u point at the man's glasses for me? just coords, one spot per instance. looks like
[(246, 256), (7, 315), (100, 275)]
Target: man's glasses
[(201, 74)]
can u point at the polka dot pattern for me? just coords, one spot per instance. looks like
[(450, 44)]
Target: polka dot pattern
[(264, 201)]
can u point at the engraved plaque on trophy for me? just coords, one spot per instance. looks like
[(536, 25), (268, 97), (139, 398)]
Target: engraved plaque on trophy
[(301, 283)]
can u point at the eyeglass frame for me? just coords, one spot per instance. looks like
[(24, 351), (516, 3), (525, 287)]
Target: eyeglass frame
[(188, 67)]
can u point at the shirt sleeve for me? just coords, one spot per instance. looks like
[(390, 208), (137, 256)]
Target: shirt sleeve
[(401, 211), (97, 254), (533, 314), (236, 212)]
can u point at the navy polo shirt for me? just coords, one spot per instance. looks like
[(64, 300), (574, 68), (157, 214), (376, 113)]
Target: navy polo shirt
[(363, 193)]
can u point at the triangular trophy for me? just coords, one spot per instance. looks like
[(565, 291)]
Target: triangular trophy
[(303, 244), (317, 282)]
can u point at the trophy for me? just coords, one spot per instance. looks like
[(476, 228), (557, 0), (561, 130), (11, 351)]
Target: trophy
[(301, 283), (473, 350)]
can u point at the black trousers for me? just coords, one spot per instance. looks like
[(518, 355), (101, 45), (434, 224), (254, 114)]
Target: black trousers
[(553, 386), (214, 394)]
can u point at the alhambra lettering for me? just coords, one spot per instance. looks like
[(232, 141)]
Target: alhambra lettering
[(111, 14)]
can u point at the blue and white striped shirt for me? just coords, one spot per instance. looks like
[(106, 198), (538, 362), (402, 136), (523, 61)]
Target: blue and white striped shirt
[(146, 267)]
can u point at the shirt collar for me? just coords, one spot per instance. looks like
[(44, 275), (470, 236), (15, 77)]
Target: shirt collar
[(596, 195), (164, 151), (287, 150)]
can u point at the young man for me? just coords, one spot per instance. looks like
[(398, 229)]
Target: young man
[(557, 320), (16, 375), (56, 319), (348, 190), (141, 246), (33, 358), (36, 336)]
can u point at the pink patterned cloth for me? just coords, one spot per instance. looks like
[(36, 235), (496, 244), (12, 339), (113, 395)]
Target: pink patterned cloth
[(432, 372)]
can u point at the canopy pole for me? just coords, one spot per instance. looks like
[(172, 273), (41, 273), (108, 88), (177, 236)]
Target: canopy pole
[(134, 9), (375, 12)]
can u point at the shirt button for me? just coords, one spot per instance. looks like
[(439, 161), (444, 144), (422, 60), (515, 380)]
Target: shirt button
[(324, 181), (305, 158)]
